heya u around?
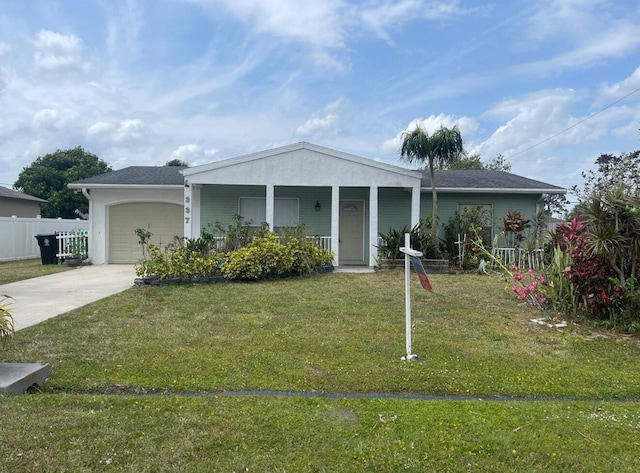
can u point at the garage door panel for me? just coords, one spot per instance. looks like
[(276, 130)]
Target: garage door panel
[(163, 220)]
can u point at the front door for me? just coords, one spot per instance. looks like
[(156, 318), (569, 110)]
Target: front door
[(351, 232)]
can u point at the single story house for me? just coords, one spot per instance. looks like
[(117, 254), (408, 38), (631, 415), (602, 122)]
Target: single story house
[(19, 204), (344, 199)]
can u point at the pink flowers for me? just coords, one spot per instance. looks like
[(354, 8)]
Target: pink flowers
[(530, 289)]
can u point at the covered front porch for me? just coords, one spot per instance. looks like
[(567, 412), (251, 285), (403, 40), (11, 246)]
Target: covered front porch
[(342, 200)]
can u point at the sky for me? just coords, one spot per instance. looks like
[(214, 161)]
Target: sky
[(549, 84)]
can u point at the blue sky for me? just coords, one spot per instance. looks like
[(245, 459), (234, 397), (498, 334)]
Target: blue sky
[(139, 82)]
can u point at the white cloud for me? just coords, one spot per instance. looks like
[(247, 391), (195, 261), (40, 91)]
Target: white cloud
[(317, 23), (55, 51), (4, 48), (619, 40), (392, 14), (193, 154), (616, 91), (46, 119), (100, 128), (531, 119), (129, 131), (467, 126), (328, 122)]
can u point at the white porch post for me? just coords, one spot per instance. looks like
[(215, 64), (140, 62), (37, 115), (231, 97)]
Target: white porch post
[(188, 201), (195, 210), (415, 205), (335, 224), (270, 205), (373, 225)]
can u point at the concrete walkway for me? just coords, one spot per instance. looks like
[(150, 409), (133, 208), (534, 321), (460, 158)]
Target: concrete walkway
[(45, 297)]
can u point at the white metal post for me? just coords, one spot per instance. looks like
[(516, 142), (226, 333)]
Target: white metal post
[(408, 251)]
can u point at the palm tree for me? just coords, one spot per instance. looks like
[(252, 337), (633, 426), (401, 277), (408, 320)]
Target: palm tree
[(438, 149)]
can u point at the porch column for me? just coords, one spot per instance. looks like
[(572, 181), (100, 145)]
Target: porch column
[(270, 205), (188, 200), (415, 205), (196, 226), (373, 225), (335, 224)]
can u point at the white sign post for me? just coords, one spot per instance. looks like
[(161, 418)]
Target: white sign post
[(406, 249)]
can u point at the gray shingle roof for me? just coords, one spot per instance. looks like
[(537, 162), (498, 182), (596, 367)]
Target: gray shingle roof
[(484, 179), (467, 179), (137, 175), (11, 194)]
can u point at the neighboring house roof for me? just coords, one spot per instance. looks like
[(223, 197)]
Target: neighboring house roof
[(135, 176), (486, 180), (11, 194)]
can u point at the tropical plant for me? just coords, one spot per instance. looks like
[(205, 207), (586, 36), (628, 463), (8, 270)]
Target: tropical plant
[(463, 229), (6, 319), (144, 236), (513, 225), (420, 237), (235, 235), (433, 150)]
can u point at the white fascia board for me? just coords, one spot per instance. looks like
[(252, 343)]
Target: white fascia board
[(496, 190)]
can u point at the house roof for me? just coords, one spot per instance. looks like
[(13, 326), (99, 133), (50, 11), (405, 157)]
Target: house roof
[(11, 194), (487, 180), (135, 176), (463, 180)]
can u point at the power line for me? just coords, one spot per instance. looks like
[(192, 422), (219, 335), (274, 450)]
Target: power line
[(574, 125)]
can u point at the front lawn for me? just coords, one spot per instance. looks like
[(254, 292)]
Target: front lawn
[(11, 271), (336, 333)]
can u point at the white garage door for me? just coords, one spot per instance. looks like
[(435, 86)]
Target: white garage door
[(164, 221)]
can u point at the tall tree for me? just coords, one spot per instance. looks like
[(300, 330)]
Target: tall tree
[(47, 177), (473, 161), (177, 162), (436, 149)]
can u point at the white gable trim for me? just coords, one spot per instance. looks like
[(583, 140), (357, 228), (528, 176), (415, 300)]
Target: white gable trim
[(302, 164)]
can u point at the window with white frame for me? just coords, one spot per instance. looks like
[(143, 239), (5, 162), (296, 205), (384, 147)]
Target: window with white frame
[(285, 210)]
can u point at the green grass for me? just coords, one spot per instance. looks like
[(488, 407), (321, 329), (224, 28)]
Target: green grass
[(337, 333), (12, 271)]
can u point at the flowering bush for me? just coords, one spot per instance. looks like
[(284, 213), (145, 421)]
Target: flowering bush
[(529, 286)]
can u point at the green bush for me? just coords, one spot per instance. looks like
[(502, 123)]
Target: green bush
[(264, 256), (261, 256)]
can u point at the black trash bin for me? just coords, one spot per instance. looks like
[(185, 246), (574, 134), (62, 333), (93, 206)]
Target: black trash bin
[(48, 248)]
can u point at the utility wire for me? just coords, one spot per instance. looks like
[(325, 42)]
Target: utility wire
[(574, 125)]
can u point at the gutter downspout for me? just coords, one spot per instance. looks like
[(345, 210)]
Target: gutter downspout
[(87, 193)]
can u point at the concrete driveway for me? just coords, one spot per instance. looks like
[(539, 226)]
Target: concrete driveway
[(45, 297)]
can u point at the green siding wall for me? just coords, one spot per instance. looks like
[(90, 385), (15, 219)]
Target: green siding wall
[(220, 203), (502, 203), (394, 209)]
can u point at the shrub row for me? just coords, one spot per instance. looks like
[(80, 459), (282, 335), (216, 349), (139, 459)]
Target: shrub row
[(263, 256)]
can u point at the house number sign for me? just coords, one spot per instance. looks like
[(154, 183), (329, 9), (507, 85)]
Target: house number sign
[(187, 209)]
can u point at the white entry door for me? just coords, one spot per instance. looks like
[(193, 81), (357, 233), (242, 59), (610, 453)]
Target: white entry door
[(351, 232)]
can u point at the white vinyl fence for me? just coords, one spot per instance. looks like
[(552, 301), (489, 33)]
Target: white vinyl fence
[(18, 234)]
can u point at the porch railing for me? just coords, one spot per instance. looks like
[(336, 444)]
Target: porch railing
[(508, 256), (321, 242)]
